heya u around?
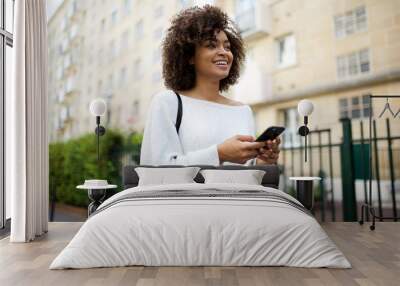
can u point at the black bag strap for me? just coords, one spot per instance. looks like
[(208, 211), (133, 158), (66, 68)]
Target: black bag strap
[(179, 114)]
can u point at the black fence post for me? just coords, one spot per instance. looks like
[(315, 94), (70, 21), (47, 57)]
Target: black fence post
[(347, 169), (364, 161), (377, 172), (391, 165), (52, 199), (322, 176), (331, 175)]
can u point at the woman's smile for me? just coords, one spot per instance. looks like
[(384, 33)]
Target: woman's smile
[(222, 64)]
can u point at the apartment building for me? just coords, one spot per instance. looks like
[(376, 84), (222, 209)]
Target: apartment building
[(65, 51), (333, 52), (107, 49)]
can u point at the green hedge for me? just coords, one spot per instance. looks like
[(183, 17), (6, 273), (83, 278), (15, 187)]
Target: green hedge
[(73, 161)]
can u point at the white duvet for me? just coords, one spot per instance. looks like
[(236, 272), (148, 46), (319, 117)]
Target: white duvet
[(200, 231)]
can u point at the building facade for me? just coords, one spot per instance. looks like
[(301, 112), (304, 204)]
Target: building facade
[(332, 52), (106, 49)]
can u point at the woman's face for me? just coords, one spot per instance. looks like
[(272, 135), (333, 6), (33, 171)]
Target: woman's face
[(213, 58)]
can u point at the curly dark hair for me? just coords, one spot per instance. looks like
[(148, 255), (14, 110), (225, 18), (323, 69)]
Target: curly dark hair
[(191, 27)]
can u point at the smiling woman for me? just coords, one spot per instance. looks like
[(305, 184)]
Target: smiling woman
[(202, 56), (200, 36)]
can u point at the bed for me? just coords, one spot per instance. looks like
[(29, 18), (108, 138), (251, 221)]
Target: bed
[(198, 224)]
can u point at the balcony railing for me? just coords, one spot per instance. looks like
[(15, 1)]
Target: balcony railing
[(73, 34), (75, 11), (254, 22), (246, 20), (60, 96), (70, 86), (64, 45), (70, 63)]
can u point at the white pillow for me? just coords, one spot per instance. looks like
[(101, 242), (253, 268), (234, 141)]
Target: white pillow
[(248, 177), (163, 176)]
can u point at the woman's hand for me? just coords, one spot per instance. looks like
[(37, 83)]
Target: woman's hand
[(239, 149), (270, 153)]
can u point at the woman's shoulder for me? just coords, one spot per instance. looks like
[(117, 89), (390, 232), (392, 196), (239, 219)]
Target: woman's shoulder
[(165, 97), (232, 102)]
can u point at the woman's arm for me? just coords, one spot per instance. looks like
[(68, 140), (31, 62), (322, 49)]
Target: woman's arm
[(161, 144)]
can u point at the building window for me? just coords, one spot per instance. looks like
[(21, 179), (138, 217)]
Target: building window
[(355, 110), (157, 33), (100, 57), (361, 18), (100, 88), (350, 22), (114, 16), (354, 107), (245, 15), (366, 106), (108, 117), (102, 25), (139, 30), (343, 108), (364, 60), (7, 63), (122, 77), (125, 40), (113, 50), (136, 110), (110, 84), (158, 12), (286, 51), (353, 64), (127, 6), (73, 8), (291, 122), (137, 69), (341, 66), (63, 25)]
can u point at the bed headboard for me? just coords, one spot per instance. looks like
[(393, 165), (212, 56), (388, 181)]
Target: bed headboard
[(130, 178)]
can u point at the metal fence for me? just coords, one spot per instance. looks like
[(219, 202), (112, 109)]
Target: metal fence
[(344, 168), (321, 164)]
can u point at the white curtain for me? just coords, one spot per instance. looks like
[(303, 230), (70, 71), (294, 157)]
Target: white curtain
[(27, 149)]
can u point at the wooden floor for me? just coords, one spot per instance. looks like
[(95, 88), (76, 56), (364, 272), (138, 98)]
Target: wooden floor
[(375, 256)]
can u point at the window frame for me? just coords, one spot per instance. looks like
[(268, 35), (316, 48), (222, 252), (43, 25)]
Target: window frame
[(354, 107), (350, 22), (283, 39), (139, 30), (360, 60), (6, 40), (137, 69), (291, 129)]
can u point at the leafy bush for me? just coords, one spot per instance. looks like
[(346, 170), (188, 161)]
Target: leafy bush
[(133, 145), (73, 161)]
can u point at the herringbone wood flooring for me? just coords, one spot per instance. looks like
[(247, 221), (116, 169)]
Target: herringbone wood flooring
[(374, 255)]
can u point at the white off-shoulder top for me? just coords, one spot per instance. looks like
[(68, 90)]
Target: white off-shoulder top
[(204, 125)]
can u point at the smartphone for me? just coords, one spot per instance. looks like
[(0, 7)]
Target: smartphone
[(270, 133)]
